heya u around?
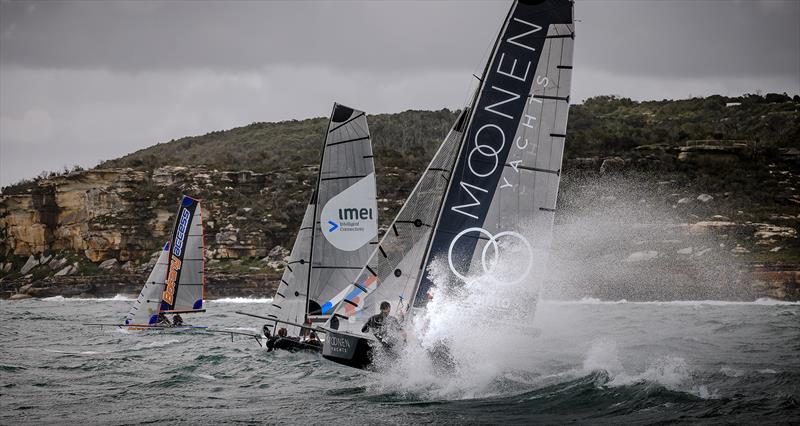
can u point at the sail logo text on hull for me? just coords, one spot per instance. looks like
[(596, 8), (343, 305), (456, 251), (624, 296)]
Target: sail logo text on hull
[(338, 345)]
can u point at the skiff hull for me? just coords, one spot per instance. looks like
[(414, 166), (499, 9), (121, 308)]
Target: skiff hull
[(347, 349)]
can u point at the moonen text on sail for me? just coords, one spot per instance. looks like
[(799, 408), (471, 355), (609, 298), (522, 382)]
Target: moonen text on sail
[(506, 67)]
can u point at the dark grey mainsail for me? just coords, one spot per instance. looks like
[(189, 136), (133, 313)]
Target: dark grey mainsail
[(339, 229), (498, 204), (506, 179)]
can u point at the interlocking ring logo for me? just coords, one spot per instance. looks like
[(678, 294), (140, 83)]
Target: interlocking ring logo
[(487, 151), (490, 268)]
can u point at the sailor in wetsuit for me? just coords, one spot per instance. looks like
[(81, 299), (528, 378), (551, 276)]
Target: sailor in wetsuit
[(384, 326), (177, 321), (274, 339), (313, 340), (163, 321)]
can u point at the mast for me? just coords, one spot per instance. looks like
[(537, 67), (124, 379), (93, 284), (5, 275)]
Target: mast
[(315, 200)]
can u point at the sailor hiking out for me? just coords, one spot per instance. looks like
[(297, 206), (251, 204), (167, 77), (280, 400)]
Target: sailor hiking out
[(385, 327)]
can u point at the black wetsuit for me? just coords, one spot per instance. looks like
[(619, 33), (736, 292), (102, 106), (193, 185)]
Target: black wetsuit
[(163, 321), (385, 328), (286, 343)]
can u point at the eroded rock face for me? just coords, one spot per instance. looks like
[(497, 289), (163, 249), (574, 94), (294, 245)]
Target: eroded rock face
[(612, 165), (125, 214), (30, 264), (277, 258), (108, 264)]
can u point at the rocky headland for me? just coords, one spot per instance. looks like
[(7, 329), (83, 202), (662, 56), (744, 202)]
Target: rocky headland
[(665, 204)]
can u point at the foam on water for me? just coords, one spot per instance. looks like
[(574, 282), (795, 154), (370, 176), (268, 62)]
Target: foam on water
[(477, 322), (241, 300), (127, 298), (609, 363), (672, 372), (156, 344), (594, 301), (116, 298), (206, 376), (488, 328)]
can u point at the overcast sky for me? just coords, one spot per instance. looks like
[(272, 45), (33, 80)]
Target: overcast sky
[(82, 82)]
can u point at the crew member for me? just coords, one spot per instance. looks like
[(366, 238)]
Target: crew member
[(163, 320), (304, 330), (177, 321), (272, 341), (313, 340), (266, 331), (384, 326)]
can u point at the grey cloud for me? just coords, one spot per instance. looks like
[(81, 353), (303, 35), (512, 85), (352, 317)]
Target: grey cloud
[(665, 38), (690, 38), (245, 35), (87, 81)]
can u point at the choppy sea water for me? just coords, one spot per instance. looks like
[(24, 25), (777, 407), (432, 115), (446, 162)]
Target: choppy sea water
[(595, 362)]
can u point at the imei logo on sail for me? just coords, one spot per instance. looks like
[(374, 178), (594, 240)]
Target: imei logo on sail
[(175, 264), (350, 219)]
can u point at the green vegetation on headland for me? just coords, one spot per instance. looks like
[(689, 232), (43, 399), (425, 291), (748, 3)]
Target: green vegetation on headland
[(745, 147), (721, 159)]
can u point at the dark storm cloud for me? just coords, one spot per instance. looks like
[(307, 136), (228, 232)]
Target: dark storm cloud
[(132, 36), (659, 38), (93, 80)]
